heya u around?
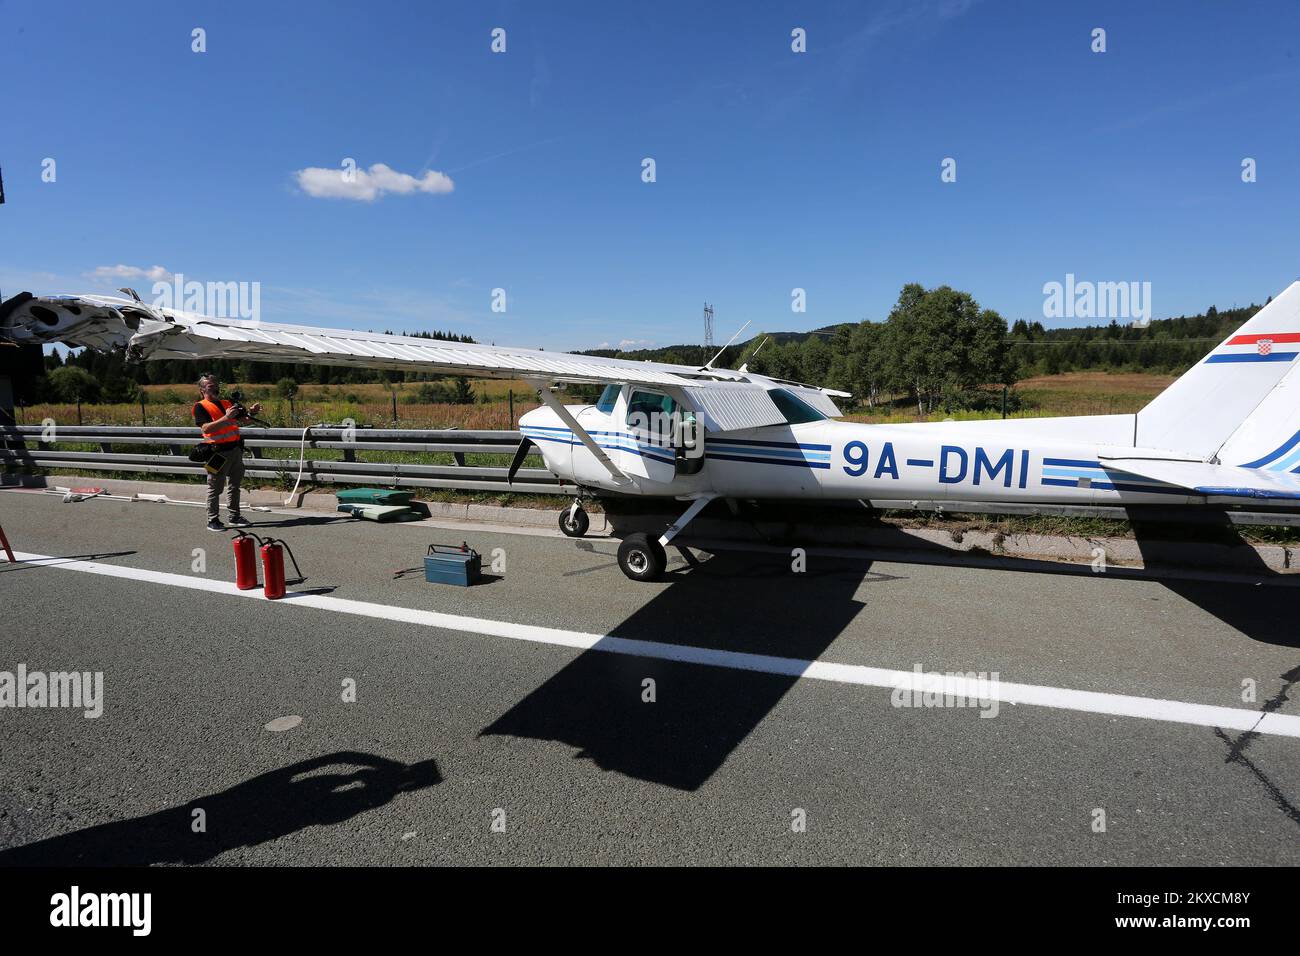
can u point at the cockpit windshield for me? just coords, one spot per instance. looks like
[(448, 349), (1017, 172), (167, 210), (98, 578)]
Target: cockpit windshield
[(607, 399)]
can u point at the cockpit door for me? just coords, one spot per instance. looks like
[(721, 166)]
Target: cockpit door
[(650, 422)]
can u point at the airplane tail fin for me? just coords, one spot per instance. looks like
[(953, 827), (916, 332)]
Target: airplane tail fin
[(1241, 403)]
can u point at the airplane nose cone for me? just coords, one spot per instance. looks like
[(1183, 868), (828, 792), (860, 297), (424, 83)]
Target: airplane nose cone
[(539, 417)]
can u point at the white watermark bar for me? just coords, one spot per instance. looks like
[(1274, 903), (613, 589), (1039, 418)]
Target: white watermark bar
[(1084, 299), (219, 300), (37, 690)]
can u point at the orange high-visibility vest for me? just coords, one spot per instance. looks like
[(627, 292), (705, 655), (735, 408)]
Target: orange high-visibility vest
[(227, 432)]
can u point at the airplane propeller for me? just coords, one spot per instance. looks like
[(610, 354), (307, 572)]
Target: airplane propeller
[(520, 454)]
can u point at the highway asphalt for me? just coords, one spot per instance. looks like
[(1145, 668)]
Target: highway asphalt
[(464, 745)]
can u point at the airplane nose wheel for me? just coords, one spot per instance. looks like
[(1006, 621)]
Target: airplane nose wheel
[(642, 557), (574, 521)]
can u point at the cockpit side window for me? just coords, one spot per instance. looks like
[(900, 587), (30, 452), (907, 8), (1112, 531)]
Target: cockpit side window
[(794, 408), (652, 413)]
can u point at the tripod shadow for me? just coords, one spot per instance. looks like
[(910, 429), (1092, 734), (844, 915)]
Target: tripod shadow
[(267, 807), (305, 521), (25, 566), (1261, 613)]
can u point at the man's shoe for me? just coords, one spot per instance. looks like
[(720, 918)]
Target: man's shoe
[(238, 521), (216, 525)]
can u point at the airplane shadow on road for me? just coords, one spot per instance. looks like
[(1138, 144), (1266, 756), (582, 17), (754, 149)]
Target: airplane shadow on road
[(1262, 613), (700, 714), (267, 807), (742, 601)]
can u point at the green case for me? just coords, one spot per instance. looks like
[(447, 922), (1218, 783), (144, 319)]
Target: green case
[(373, 496)]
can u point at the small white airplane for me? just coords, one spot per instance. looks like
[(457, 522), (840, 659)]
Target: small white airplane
[(1227, 430)]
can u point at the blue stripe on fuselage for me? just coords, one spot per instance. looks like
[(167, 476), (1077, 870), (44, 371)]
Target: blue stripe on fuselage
[(1112, 486), (768, 461)]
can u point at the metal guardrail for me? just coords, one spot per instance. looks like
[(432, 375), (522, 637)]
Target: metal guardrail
[(24, 445)]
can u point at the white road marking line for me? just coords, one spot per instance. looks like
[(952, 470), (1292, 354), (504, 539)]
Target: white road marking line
[(1060, 698)]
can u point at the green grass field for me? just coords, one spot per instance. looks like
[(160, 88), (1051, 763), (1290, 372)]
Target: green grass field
[(166, 410), (1073, 393)]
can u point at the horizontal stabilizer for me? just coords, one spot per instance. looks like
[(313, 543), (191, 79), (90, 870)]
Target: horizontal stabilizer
[(1227, 481)]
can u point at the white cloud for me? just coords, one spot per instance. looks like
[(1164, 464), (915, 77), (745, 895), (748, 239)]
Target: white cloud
[(628, 344), (368, 185), (153, 273)]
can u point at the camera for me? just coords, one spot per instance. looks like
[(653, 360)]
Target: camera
[(237, 405)]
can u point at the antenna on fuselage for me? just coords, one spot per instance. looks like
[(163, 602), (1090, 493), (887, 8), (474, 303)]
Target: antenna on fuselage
[(709, 365), (745, 367)]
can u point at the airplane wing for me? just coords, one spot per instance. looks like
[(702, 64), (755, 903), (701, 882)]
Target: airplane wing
[(729, 400), (1203, 478)]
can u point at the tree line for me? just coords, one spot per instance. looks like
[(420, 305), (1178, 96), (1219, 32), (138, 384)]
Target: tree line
[(90, 376), (942, 350)]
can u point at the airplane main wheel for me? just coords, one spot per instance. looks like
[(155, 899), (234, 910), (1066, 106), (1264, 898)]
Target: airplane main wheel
[(641, 557), (578, 526)]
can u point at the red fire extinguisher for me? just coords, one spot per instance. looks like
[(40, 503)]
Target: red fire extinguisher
[(273, 569), (273, 552), (245, 565)]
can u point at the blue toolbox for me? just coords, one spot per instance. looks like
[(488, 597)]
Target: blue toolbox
[(452, 564)]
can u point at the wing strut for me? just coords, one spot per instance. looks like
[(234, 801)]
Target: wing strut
[(687, 517), (550, 401)]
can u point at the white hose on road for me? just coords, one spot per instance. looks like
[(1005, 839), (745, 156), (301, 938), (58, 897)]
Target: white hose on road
[(302, 463)]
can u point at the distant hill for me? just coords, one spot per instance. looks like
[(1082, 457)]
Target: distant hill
[(698, 355), (1171, 344)]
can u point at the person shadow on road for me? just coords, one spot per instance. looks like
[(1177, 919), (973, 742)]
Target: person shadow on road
[(267, 807)]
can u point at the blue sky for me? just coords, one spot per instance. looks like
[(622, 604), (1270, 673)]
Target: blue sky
[(775, 170)]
